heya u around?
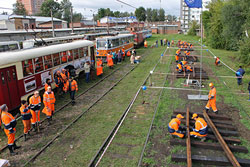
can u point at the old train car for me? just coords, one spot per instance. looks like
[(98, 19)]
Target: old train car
[(23, 72)]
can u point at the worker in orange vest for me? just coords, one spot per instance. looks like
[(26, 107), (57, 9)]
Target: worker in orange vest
[(123, 54), (217, 61), (200, 130), (72, 87), (65, 75), (188, 68), (58, 82), (47, 84), (99, 68), (49, 104), (212, 99), (26, 116), (129, 53), (110, 61), (179, 68), (9, 123), (174, 127), (35, 105), (177, 55), (145, 44)]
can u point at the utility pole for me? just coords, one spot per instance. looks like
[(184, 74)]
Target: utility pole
[(72, 25), (52, 23)]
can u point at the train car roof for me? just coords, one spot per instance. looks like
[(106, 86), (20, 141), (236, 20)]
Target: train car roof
[(9, 42), (114, 37), (13, 57), (57, 38)]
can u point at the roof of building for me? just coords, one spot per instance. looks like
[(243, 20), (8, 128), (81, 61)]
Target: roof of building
[(88, 22)]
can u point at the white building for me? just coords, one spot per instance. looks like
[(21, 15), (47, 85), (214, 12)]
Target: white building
[(188, 15), (118, 20)]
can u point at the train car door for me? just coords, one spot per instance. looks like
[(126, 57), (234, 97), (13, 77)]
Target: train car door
[(9, 87), (92, 52)]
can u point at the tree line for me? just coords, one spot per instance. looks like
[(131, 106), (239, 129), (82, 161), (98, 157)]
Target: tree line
[(60, 10), (227, 26)]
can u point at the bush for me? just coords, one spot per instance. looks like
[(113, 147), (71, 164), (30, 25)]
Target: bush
[(245, 51)]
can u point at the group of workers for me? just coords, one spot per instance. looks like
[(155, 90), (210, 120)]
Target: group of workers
[(200, 129), (183, 45)]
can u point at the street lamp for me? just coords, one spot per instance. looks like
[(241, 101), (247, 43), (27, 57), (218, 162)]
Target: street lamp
[(93, 11)]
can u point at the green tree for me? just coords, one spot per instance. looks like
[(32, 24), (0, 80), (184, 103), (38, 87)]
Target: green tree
[(140, 13), (66, 6), (49, 5), (155, 16), (245, 51), (117, 14), (149, 14), (161, 15), (77, 17), (19, 9), (193, 27)]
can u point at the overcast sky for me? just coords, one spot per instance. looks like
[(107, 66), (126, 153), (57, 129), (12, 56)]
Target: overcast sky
[(84, 6)]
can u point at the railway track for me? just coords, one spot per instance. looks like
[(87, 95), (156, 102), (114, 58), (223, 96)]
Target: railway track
[(106, 144)]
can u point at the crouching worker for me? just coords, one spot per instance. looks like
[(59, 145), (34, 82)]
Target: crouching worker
[(49, 104), (26, 117), (9, 123), (174, 127), (200, 130)]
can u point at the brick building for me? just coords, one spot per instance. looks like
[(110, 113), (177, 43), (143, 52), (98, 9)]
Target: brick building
[(32, 6)]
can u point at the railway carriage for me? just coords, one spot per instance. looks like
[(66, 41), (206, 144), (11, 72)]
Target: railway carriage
[(105, 45), (23, 72)]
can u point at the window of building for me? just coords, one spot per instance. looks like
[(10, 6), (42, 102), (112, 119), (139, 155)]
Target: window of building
[(56, 59), (38, 63), (48, 62), (27, 67)]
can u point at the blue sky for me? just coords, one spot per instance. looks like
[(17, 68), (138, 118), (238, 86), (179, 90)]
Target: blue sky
[(84, 6)]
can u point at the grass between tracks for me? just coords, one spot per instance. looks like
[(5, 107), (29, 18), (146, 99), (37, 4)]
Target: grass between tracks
[(79, 144)]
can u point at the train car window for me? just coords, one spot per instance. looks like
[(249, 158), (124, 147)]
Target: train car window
[(14, 74), (2, 77), (86, 53), (56, 59), (13, 46), (27, 67), (48, 62), (70, 55), (38, 62), (63, 56), (81, 52), (76, 54), (4, 48)]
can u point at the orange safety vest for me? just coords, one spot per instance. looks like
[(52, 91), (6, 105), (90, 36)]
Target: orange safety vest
[(46, 86), (74, 86), (179, 67), (123, 53), (188, 68), (110, 60), (49, 102), (25, 112), (9, 122), (35, 103), (129, 53), (174, 124), (145, 44), (177, 58), (212, 92), (64, 76), (99, 69)]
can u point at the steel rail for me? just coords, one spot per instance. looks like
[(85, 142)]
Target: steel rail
[(188, 141), (100, 153), (76, 119)]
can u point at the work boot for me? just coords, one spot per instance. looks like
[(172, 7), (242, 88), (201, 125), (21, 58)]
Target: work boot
[(207, 110), (34, 127), (25, 137), (12, 153), (216, 112), (16, 147), (49, 121)]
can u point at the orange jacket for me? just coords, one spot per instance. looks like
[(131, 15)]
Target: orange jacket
[(123, 52), (174, 125), (49, 100), (99, 69), (74, 86), (9, 122), (35, 103), (178, 67), (212, 94), (46, 86), (110, 60), (201, 126), (128, 53), (188, 67), (25, 112), (177, 58)]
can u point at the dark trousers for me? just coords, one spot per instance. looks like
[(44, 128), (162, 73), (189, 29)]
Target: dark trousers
[(72, 95), (119, 60), (115, 60), (87, 76), (239, 81)]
